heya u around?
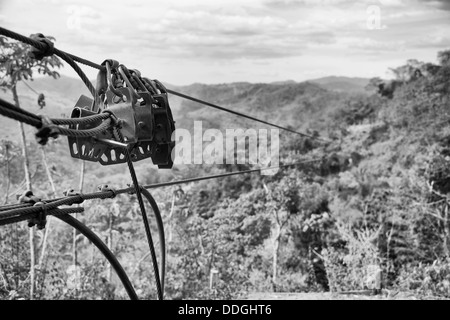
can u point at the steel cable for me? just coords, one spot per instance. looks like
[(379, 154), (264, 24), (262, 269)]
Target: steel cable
[(63, 55), (228, 174), (14, 213), (69, 58), (148, 233), (15, 209), (9, 110), (83, 120), (242, 115), (162, 240), (78, 70), (52, 212)]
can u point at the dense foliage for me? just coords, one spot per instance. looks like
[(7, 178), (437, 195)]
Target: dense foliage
[(379, 198)]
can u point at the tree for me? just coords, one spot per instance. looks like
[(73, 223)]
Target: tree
[(444, 58), (17, 64), (374, 84)]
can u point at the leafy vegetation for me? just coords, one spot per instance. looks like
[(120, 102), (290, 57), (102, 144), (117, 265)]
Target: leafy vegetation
[(379, 199)]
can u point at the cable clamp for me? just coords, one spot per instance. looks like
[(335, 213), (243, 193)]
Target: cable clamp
[(106, 188), (133, 188), (41, 100), (39, 54), (47, 130), (28, 197), (73, 193), (40, 220)]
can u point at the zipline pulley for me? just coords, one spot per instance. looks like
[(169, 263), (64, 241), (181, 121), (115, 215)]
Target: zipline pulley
[(142, 114)]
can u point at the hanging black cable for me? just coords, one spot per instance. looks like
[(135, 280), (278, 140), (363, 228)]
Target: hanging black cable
[(148, 233), (162, 241), (104, 250)]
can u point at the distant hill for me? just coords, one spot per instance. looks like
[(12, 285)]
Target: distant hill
[(68, 87), (289, 103), (342, 84)]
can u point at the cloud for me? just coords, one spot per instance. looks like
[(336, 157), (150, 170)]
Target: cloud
[(217, 23), (283, 4), (298, 3), (439, 4), (437, 39), (221, 35), (83, 17), (226, 40), (372, 45)]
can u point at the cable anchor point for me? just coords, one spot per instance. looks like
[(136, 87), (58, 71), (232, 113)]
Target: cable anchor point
[(73, 193), (46, 50)]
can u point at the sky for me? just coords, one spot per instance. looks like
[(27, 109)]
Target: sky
[(222, 41)]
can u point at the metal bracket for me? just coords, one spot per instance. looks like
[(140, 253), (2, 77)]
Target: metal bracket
[(145, 123)]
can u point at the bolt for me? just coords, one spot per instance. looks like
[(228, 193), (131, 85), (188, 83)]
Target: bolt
[(141, 124)]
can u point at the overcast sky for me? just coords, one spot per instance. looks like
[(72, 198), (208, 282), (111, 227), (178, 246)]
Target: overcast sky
[(210, 41)]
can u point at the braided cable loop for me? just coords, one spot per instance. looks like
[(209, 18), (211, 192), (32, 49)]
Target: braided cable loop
[(49, 128), (105, 125), (84, 120)]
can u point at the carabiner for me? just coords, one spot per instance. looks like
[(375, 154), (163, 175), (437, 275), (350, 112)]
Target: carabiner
[(110, 81)]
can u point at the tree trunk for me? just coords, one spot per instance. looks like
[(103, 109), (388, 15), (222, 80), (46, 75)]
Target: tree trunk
[(446, 231), (8, 181), (110, 242), (26, 159), (26, 165), (16, 253), (74, 238), (41, 262), (276, 246), (74, 234), (48, 226), (172, 208), (32, 263)]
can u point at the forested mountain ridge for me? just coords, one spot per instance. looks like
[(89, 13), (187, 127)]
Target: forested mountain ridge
[(378, 198)]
